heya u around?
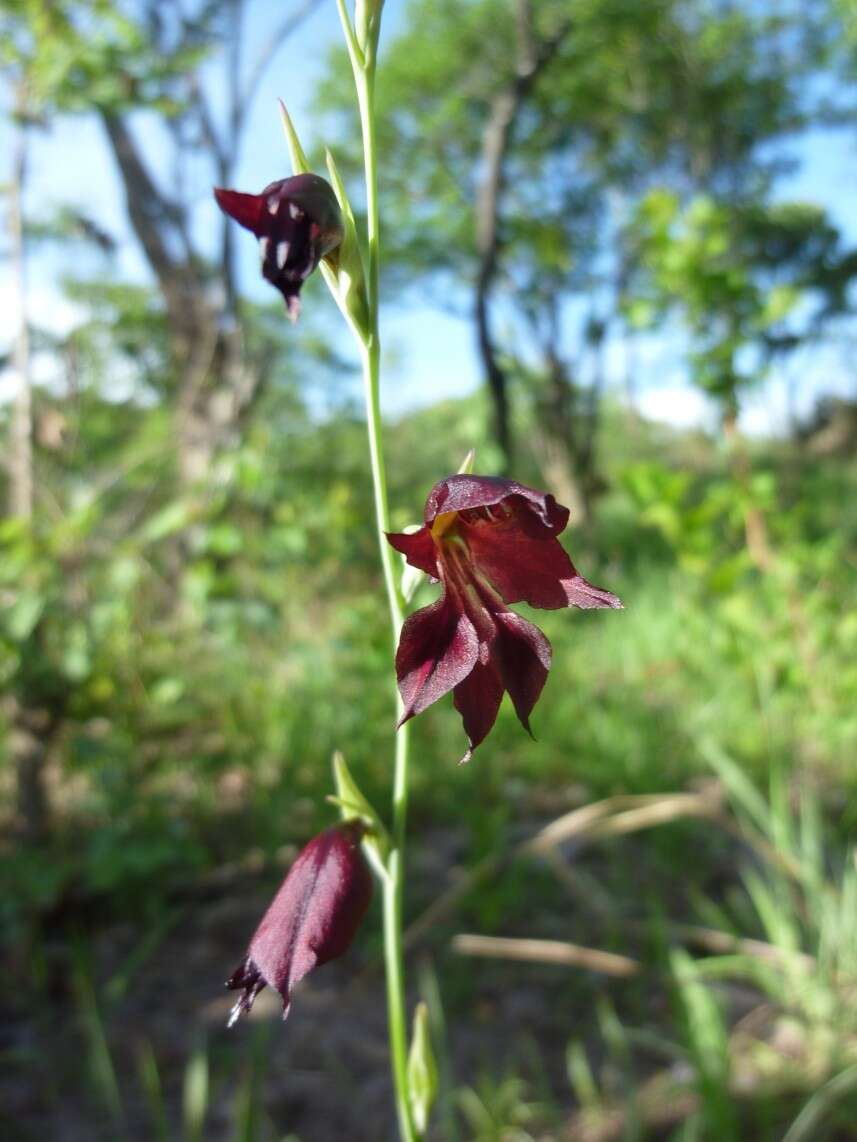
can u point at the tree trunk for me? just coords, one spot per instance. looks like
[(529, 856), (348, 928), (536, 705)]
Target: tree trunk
[(755, 528), (568, 415), (29, 729), (494, 145), (32, 731), (20, 461), (214, 387), (530, 58)]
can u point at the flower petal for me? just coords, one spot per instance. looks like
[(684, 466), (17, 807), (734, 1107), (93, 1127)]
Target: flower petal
[(581, 593), (438, 648), (418, 548), (477, 698), (312, 919), (470, 493), (522, 657), (316, 198), (248, 210), (534, 571)]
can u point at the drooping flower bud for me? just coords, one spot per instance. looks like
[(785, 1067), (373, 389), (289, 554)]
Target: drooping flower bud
[(312, 919), (297, 221)]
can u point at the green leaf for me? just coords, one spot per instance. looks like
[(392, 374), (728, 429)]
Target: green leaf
[(22, 616), (166, 522), (422, 1070), (195, 1095), (77, 653)]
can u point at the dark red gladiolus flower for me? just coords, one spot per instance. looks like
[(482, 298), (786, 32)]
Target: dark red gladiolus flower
[(490, 542), (312, 919), (297, 221)]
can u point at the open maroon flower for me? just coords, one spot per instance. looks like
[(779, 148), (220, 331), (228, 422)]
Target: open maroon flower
[(312, 919), (490, 542), (297, 221)]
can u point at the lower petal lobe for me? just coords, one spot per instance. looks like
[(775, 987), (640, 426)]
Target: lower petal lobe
[(477, 699), (438, 648), (522, 657)]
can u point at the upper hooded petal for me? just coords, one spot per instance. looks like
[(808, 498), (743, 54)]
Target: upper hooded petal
[(312, 919), (536, 511), (438, 648)]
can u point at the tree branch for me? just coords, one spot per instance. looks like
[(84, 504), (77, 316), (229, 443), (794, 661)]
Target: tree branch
[(289, 25), (151, 213)]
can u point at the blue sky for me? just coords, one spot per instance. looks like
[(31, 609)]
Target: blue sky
[(429, 354)]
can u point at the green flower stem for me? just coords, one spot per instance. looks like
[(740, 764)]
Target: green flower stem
[(371, 371), (393, 882)]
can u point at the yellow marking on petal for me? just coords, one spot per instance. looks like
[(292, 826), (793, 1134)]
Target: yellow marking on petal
[(442, 523)]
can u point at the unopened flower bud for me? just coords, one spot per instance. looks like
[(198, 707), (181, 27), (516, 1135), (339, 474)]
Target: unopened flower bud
[(297, 221), (312, 919)]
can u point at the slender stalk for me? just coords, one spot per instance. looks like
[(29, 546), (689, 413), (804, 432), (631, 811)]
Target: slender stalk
[(371, 372), (393, 884)]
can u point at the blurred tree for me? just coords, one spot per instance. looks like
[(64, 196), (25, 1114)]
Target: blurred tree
[(750, 279), (519, 136), (215, 382), (148, 56), (750, 282), (37, 59), (20, 456), (103, 496)]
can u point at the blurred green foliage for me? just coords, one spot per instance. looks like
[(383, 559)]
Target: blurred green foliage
[(221, 695), (187, 659)]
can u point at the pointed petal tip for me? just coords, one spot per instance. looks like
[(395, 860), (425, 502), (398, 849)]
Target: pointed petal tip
[(585, 595), (611, 601), (223, 198), (604, 600), (245, 209), (406, 715)]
